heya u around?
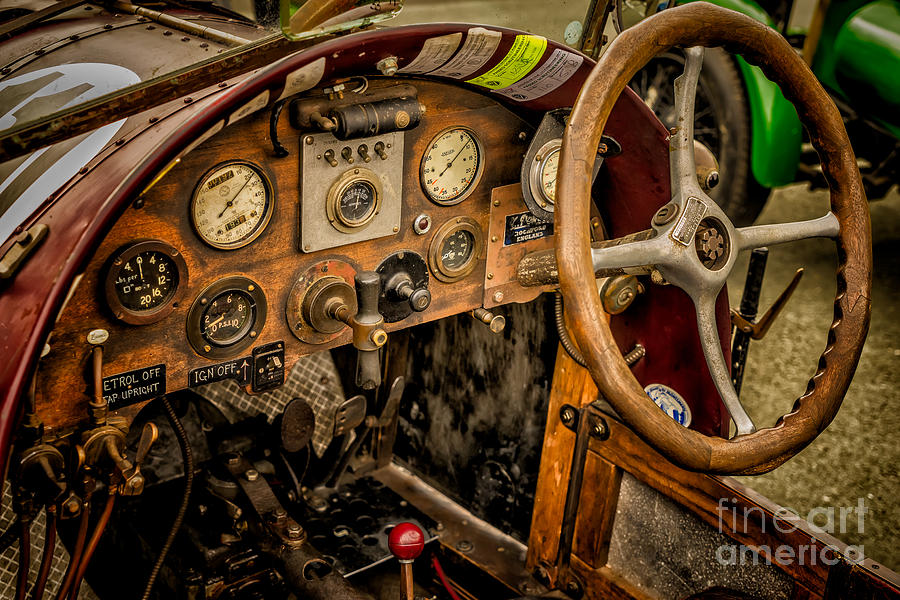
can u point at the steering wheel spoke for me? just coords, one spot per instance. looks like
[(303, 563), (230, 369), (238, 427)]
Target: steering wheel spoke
[(683, 167), (705, 306), (641, 254), (757, 236)]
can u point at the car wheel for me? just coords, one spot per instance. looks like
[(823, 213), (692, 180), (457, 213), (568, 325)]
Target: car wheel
[(722, 123)]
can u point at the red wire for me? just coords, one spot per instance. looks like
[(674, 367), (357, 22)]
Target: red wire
[(442, 577)]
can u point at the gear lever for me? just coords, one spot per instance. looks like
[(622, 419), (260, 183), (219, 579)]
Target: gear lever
[(406, 542)]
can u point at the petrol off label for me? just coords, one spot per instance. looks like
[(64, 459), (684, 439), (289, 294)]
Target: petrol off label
[(128, 388)]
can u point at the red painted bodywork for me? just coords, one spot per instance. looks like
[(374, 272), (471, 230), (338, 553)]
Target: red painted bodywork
[(84, 209)]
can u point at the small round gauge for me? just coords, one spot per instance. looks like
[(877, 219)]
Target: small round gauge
[(226, 317), (353, 200), (455, 248), (144, 281), (232, 204), (451, 166), (542, 174)]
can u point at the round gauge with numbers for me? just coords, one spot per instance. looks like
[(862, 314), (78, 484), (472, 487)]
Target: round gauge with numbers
[(542, 174), (353, 200), (144, 281), (232, 204), (455, 249), (226, 317), (451, 166)]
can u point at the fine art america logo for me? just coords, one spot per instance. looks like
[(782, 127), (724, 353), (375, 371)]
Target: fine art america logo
[(753, 521)]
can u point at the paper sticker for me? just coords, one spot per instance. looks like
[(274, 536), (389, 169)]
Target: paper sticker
[(556, 71), (303, 78), (435, 52), (478, 48), (524, 227), (251, 107), (525, 53), (670, 402), (128, 388)]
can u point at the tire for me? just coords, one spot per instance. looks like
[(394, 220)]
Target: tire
[(722, 123)]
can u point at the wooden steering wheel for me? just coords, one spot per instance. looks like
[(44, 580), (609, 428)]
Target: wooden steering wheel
[(700, 267)]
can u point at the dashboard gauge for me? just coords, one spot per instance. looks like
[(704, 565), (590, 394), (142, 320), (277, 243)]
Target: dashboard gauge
[(455, 249), (226, 317), (144, 281), (452, 165), (354, 200), (542, 174), (232, 205)]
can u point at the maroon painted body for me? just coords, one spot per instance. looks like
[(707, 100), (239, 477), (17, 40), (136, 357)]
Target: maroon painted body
[(84, 208)]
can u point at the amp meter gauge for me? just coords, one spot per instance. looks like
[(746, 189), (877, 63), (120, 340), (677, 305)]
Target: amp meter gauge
[(226, 317), (354, 200), (144, 281), (232, 204)]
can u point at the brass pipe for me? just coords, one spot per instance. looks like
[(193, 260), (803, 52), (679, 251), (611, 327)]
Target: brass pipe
[(98, 406), (47, 558), (79, 546), (94, 541), (24, 556), (182, 25)]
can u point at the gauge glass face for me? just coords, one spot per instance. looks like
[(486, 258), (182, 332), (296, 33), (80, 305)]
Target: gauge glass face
[(232, 205), (548, 176), (451, 165), (457, 250), (228, 318), (357, 203), (146, 281)]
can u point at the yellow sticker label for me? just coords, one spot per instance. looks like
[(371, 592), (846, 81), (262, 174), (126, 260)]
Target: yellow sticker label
[(524, 55)]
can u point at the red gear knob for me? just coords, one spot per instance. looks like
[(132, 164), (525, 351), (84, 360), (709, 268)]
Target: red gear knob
[(406, 541)]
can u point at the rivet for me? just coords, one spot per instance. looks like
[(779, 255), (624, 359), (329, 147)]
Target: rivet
[(496, 203), (309, 140), (494, 238), (490, 275)]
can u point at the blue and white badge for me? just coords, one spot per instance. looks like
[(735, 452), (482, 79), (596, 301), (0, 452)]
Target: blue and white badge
[(670, 402)]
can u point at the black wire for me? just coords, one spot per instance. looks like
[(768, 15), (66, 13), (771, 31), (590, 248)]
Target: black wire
[(188, 457), (564, 338)]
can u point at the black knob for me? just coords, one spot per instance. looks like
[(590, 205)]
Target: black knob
[(401, 287)]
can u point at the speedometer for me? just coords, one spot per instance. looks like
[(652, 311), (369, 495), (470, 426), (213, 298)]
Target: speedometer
[(451, 166), (232, 205)]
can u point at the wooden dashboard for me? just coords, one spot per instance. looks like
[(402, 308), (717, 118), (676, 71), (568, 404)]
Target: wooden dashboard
[(143, 361)]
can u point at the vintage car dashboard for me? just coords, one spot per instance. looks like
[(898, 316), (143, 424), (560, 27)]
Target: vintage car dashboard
[(237, 261)]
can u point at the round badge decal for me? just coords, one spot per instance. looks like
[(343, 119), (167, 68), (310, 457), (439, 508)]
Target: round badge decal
[(670, 402)]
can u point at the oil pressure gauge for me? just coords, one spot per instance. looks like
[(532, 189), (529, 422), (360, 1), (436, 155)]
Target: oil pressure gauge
[(452, 166), (232, 204), (226, 317), (455, 249), (144, 281)]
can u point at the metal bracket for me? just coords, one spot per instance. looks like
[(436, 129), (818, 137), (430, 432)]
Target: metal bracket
[(586, 424), (26, 243)]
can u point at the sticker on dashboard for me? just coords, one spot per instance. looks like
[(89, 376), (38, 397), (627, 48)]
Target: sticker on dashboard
[(670, 402), (524, 55), (125, 389), (524, 227), (478, 48), (558, 69), (435, 52)]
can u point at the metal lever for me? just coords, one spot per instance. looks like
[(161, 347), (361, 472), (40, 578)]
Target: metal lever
[(133, 480), (758, 329), (368, 329)]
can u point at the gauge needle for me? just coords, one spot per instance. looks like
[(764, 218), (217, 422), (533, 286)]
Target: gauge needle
[(450, 164), (141, 270), (214, 322), (231, 202)]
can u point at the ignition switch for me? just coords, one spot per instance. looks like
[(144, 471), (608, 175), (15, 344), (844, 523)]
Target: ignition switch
[(405, 291)]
